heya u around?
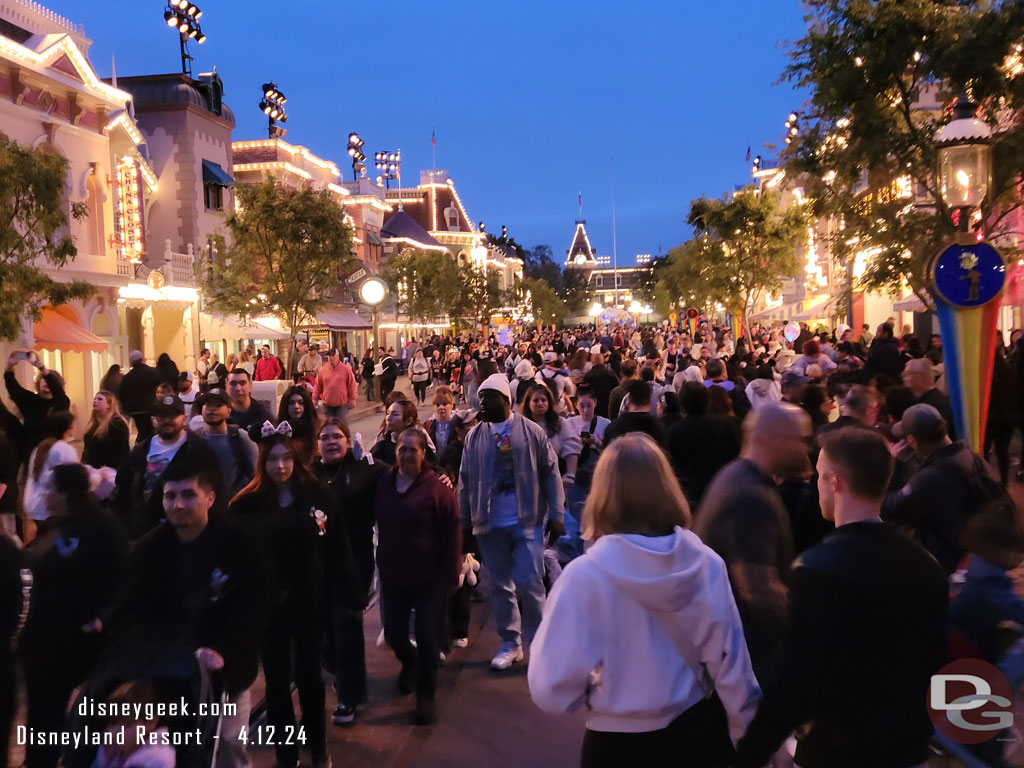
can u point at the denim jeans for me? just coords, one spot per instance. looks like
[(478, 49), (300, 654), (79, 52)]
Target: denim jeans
[(349, 655), (339, 412), (515, 559)]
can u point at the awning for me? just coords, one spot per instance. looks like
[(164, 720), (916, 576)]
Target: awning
[(910, 303), (214, 174), (221, 327), (818, 310), (56, 332), (342, 320), (780, 312), (372, 239)]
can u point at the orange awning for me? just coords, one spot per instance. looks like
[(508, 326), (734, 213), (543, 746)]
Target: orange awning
[(56, 332)]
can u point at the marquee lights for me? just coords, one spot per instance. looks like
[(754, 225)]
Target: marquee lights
[(128, 222)]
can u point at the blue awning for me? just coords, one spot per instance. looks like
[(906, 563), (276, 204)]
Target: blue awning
[(214, 174)]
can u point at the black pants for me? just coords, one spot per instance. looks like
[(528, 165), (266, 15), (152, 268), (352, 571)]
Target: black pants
[(349, 655), (420, 388), (428, 602), (8, 702), (144, 426), (459, 612), (999, 434), (698, 738), (386, 385), (369, 386), (295, 628), (51, 674)]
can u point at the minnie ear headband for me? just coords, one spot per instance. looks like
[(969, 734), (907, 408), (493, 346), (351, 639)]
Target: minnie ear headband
[(269, 430)]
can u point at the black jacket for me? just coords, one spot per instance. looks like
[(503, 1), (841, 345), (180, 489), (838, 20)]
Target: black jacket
[(34, 408), (111, 449), (636, 421), (699, 446), (208, 593), (864, 642), (138, 388), (292, 545), (938, 499), (140, 514), (353, 486), (602, 380), (78, 567), (883, 358)]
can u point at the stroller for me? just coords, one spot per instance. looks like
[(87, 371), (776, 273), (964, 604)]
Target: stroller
[(165, 696)]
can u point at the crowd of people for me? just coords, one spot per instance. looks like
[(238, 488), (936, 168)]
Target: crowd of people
[(699, 538)]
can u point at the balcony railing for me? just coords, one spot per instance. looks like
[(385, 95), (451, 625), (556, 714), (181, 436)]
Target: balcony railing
[(177, 268)]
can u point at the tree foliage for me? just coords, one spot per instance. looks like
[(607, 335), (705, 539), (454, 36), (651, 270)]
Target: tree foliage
[(480, 295), (542, 301), (569, 285), (743, 246), (870, 68), (427, 284), (33, 231), (288, 248)]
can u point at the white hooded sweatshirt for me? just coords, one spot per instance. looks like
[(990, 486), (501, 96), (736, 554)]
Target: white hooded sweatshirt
[(606, 639)]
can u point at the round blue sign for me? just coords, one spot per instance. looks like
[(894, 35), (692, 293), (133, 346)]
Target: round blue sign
[(969, 275)]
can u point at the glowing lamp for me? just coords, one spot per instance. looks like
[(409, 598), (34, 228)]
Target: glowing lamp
[(965, 156), (372, 291)]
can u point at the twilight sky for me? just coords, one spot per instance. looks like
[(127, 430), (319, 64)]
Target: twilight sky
[(533, 102)]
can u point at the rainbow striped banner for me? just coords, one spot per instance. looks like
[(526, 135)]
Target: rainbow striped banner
[(968, 278)]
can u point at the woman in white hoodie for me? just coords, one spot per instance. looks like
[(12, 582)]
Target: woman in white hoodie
[(643, 629)]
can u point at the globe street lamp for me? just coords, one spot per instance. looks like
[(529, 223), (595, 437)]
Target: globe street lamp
[(595, 311), (372, 292), (965, 160)]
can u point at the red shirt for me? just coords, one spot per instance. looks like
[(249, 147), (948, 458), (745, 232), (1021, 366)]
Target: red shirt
[(267, 369)]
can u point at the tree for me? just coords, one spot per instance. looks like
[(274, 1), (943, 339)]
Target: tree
[(744, 246), (479, 296), (865, 139), (288, 248), (427, 283), (575, 291), (32, 232), (543, 302), (539, 264)]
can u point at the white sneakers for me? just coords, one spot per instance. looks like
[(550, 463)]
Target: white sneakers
[(506, 657), (460, 642)]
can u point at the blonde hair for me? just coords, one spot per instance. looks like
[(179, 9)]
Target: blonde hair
[(101, 425), (634, 491)]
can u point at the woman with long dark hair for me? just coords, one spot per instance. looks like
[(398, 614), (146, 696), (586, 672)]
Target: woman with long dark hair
[(401, 415), (296, 408), (106, 437), (539, 406), (286, 507)]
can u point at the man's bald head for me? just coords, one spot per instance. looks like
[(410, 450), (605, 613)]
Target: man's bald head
[(776, 439)]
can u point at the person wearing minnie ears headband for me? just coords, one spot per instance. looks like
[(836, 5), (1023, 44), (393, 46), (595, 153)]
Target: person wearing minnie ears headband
[(33, 406), (286, 508), (351, 479), (419, 559), (197, 578)]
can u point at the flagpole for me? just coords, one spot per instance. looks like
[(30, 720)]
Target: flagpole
[(615, 252), (433, 145)]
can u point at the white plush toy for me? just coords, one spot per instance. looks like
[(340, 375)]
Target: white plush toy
[(470, 566)]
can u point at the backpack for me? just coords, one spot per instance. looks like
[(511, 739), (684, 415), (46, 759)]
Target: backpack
[(243, 462), (549, 382)]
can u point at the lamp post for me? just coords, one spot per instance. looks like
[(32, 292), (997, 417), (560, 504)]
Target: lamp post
[(595, 312), (355, 151), (968, 276), (372, 292), (184, 17), (272, 105)]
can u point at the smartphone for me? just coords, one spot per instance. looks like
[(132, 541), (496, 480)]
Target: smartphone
[(585, 435), (22, 354)]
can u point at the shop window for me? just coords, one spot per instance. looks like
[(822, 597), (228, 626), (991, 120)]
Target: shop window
[(213, 196)]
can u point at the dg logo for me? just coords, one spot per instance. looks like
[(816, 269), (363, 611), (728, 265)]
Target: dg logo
[(970, 701)]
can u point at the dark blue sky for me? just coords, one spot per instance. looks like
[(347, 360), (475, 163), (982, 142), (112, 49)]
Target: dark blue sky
[(531, 100)]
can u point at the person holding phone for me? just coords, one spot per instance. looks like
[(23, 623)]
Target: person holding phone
[(34, 406)]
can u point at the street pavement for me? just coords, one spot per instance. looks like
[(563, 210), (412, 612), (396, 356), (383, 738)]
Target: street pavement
[(485, 719)]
